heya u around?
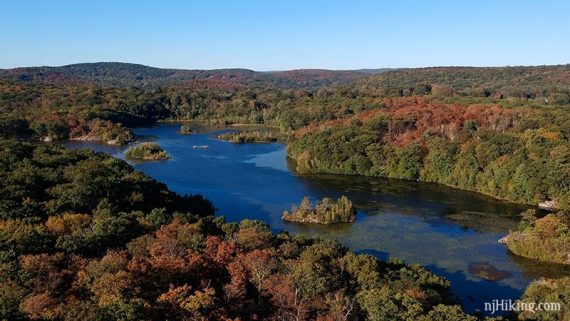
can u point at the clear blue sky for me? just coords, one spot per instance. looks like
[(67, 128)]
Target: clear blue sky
[(288, 34)]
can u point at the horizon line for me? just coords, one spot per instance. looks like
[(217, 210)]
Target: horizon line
[(282, 70)]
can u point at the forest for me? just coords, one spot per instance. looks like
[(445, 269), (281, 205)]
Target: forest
[(113, 250), (481, 133), (249, 136), (521, 154), (134, 75)]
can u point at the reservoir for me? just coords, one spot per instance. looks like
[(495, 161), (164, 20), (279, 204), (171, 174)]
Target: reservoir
[(452, 232)]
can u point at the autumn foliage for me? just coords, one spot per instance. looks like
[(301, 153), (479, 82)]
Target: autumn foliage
[(519, 154), (110, 251), (190, 270)]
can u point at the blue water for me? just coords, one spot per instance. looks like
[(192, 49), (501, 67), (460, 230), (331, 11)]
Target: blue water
[(408, 220)]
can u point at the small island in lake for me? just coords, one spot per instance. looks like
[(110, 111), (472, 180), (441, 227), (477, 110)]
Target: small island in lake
[(327, 211), (545, 239), (186, 130), (254, 136), (146, 151)]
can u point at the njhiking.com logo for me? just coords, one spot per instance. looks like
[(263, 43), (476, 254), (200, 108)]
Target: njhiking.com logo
[(519, 306)]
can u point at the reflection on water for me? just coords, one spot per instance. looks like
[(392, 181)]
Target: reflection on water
[(452, 232)]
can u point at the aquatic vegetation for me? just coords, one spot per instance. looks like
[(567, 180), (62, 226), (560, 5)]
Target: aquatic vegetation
[(481, 221), (146, 151), (487, 271), (326, 211)]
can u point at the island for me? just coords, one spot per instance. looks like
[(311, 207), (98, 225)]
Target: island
[(326, 211), (545, 239), (186, 130), (146, 151), (254, 136)]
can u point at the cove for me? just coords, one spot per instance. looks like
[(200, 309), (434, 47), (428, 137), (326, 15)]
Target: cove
[(452, 232)]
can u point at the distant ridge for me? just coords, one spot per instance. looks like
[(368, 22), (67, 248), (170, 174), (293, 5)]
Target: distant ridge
[(496, 82), (128, 74), (478, 81)]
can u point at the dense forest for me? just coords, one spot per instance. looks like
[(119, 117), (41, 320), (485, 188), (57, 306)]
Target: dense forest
[(84, 236), (500, 131), (112, 250), (124, 247), (517, 154), (133, 75), (249, 136), (549, 84), (548, 290)]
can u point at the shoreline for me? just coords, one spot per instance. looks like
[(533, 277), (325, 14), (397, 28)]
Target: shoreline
[(285, 141), (536, 206)]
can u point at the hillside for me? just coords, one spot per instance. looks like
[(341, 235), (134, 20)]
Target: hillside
[(125, 74), (519, 154), (550, 82), (514, 119)]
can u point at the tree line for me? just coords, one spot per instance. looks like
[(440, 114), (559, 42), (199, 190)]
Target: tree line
[(521, 154)]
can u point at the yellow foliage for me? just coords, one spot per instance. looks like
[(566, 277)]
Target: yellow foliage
[(109, 288), (66, 223), (200, 300), (550, 135), (181, 297)]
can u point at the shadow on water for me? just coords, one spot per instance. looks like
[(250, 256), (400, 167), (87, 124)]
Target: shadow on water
[(474, 293), (471, 293), (452, 232), (534, 269)]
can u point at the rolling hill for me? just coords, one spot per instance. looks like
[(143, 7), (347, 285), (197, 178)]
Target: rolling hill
[(117, 74)]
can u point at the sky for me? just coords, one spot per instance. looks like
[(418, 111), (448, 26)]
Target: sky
[(290, 34)]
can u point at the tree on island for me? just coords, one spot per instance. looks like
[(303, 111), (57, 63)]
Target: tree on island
[(146, 151), (186, 130), (326, 211)]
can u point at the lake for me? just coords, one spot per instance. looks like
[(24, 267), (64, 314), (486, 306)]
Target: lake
[(453, 233)]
